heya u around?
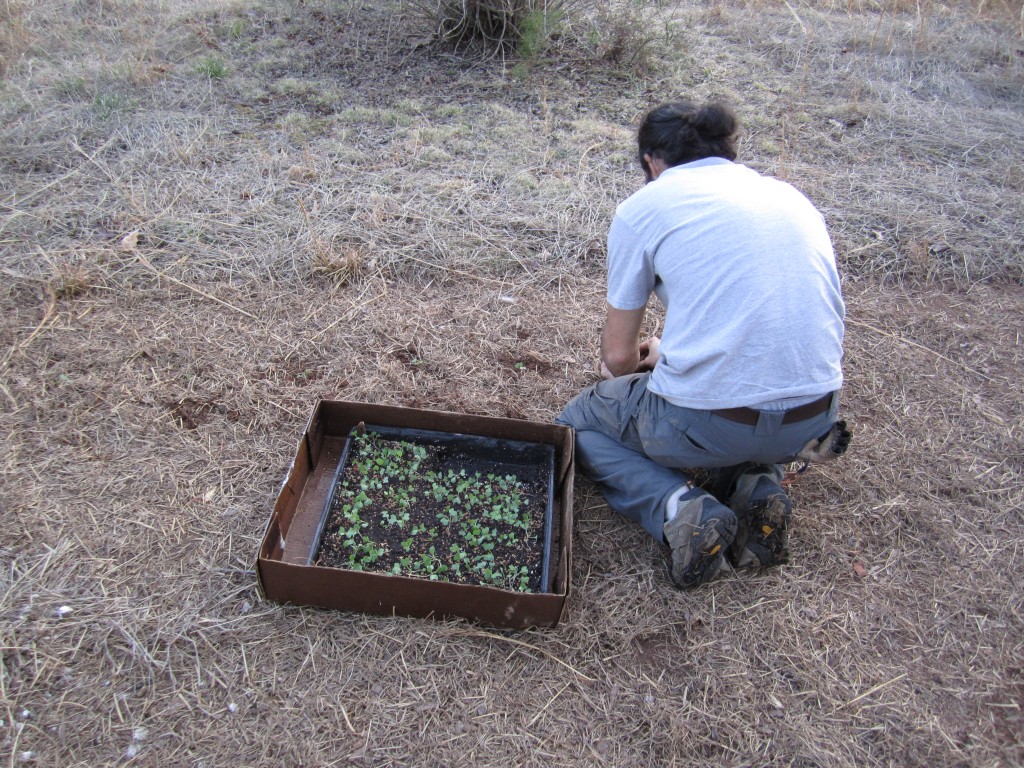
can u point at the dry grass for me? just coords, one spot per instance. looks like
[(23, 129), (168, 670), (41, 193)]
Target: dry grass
[(13, 38), (189, 262)]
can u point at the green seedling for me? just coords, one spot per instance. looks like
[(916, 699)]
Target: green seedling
[(480, 515)]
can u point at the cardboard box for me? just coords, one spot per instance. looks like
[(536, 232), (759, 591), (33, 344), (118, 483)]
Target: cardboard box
[(283, 563)]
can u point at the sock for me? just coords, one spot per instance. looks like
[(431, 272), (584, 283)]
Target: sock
[(672, 505)]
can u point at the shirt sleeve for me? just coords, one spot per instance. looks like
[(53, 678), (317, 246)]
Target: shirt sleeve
[(631, 275)]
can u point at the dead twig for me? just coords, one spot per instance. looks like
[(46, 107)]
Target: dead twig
[(912, 343), (163, 275), (521, 644)]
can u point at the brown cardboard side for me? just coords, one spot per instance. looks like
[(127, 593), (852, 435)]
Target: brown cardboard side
[(305, 527), (275, 534), (338, 417), (288, 579), (287, 500), (386, 595), (314, 434)]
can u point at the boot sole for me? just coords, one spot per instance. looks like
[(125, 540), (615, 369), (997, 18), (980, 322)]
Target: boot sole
[(766, 539), (699, 545)]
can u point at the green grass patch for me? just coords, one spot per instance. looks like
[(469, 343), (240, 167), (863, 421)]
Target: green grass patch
[(106, 104), (212, 67)]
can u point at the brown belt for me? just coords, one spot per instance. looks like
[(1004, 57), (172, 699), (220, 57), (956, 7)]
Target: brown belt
[(749, 416)]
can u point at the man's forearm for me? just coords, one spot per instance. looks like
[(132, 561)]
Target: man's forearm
[(620, 341)]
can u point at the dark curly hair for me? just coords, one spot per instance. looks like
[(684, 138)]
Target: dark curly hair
[(680, 132)]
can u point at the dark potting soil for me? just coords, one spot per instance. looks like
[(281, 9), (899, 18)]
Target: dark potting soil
[(444, 515)]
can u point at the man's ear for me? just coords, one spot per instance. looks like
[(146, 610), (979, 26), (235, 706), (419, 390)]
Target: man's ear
[(655, 165)]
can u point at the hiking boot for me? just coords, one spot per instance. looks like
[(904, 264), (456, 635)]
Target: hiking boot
[(699, 534), (763, 513)]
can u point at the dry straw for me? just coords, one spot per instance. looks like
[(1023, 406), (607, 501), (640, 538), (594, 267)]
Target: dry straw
[(190, 262)]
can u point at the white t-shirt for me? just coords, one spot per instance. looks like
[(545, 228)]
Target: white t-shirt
[(744, 266)]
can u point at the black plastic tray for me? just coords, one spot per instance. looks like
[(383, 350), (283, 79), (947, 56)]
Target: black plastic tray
[(504, 454)]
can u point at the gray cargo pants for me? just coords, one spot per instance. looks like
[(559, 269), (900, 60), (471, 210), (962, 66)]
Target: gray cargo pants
[(637, 446)]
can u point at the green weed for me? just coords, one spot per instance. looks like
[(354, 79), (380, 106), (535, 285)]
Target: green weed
[(106, 104), (212, 67), (72, 87), (535, 31)]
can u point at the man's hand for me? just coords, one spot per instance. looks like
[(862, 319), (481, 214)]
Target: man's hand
[(649, 354)]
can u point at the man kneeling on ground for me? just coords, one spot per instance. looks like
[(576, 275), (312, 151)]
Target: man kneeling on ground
[(748, 368)]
